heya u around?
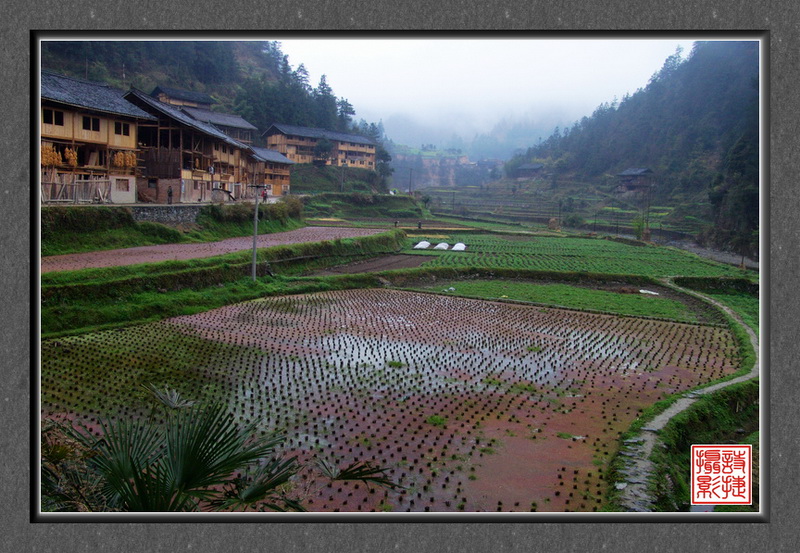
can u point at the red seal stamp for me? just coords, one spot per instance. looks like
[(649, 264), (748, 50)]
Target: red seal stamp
[(722, 475)]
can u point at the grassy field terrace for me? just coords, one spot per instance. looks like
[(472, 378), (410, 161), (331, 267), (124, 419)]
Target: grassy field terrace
[(456, 373)]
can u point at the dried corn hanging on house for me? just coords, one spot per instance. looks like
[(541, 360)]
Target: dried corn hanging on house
[(89, 141)]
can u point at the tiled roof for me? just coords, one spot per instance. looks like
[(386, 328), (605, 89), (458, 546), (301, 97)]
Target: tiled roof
[(531, 166), (318, 133), (86, 94), (188, 95), (175, 113), (635, 172), (270, 155), (223, 119)]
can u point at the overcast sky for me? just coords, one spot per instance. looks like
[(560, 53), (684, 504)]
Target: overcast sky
[(474, 82)]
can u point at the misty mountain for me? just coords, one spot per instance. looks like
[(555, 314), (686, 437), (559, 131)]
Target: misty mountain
[(462, 132), (695, 125)]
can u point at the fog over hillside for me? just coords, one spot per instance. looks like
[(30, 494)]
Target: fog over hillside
[(499, 138), (506, 92)]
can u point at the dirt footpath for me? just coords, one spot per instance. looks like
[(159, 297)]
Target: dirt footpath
[(170, 252), (383, 263)]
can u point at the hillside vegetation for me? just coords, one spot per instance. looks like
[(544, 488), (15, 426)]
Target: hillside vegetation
[(695, 125), (359, 206), (310, 179)]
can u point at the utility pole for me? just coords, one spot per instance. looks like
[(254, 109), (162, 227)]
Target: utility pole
[(341, 187), (647, 209), (410, 174), (559, 213), (257, 188)]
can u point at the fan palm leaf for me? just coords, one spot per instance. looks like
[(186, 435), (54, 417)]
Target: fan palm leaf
[(359, 470), (204, 447), (168, 397), (263, 487)]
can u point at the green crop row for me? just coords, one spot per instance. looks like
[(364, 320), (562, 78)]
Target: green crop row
[(572, 254), (572, 297)]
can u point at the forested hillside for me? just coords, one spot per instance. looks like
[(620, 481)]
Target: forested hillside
[(252, 79), (695, 125), (212, 67)]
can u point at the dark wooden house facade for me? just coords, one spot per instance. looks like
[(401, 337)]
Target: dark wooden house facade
[(635, 179), (529, 170), (89, 141), (192, 157)]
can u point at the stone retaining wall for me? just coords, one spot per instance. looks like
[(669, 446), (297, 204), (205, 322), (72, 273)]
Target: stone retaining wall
[(167, 214)]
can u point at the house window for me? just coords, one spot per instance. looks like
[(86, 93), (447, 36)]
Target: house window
[(152, 183), (91, 123), (122, 128), (196, 185), (53, 117), (123, 185)]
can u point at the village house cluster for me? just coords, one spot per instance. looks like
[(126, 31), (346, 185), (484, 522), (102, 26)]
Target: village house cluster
[(102, 144)]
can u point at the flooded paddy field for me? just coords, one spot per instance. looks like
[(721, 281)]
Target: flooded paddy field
[(471, 405)]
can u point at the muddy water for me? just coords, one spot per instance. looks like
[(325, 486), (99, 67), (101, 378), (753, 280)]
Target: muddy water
[(469, 405)]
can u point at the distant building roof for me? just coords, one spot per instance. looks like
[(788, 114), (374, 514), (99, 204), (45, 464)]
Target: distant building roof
[(635, 172), (181, 117), (531, 166), (86, 94), (317, 133), (489, 162), (219, 119), (187, 95), (270, 155)]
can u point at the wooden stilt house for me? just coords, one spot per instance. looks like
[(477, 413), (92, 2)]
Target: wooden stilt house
[(298, 144), (273, 170), (194, 158), (89, 141)]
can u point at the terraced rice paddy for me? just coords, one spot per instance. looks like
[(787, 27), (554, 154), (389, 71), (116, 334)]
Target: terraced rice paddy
[(571, 254), (471, 405)]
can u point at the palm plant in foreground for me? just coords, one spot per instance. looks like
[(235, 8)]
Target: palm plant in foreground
[(199, 459), (182, 464)]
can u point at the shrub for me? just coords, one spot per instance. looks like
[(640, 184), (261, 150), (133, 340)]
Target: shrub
[(574, 221), (56, 220)]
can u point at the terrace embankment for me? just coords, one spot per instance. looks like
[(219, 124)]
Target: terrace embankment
[(654, 478), (173, 252), (470, 405)]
